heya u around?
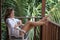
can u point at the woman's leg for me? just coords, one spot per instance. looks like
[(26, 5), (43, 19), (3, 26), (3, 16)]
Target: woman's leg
[(30, 25)]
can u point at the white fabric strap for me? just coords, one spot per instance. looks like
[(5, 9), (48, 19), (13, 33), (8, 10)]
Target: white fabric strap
[(20, 29)]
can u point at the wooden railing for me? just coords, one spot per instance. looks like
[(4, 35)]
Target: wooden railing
[(51, 31)]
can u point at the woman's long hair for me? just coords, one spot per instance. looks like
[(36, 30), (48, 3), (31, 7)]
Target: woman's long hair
[(7, 14)]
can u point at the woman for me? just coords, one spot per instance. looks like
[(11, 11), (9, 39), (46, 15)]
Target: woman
[(15, 23)]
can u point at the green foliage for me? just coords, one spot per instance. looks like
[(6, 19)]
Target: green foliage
[(3, 28), (33, 10), (52, 10), (31, 34), (18, 5)]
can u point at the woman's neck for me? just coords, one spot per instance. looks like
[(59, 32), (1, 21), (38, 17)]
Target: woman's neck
[(11, 17)]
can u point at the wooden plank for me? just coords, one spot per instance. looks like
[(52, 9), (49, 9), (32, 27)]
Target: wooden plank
[(44, 32)]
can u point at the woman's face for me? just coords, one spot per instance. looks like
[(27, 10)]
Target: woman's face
[(12, 14)]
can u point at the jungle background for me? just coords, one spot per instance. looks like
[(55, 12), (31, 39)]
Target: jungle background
[(30, 8)]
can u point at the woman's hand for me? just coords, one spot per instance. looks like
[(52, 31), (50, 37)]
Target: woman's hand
[(15, 26), (44, 18), (19, 23)]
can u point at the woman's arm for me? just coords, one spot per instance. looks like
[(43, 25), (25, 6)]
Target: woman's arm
[(19, 22)]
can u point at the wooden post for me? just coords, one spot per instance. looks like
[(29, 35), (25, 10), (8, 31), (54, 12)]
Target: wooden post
[(42, 28), (0, 20), (43, 8)]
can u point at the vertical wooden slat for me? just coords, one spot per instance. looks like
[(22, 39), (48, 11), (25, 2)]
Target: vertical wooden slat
[(59, 33), (44, 33), (35, 33), (40, 32), (56, 33), (49, 32)]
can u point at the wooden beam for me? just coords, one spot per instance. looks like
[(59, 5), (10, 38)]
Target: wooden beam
[(43, 8)]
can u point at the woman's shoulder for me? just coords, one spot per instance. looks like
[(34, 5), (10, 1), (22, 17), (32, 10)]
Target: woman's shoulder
[(8, 19)]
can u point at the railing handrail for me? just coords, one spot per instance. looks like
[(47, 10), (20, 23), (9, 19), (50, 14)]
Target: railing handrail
[(24, 17), (54, 23)]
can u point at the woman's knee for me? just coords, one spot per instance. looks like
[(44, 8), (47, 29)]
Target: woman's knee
[(30, 23)]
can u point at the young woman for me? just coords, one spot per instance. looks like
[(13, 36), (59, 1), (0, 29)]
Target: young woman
[(14, 23)]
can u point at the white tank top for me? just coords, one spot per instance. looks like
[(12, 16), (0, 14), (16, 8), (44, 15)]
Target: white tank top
[(11, 22)]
